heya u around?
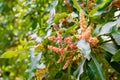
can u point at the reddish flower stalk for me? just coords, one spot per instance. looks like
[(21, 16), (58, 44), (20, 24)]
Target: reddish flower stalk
[(68, 40), (56, 49), (72, 46), (68, 5), (52, 38), (59, 37), (78, 36), (68, 62), (61, 58), (82, 22)]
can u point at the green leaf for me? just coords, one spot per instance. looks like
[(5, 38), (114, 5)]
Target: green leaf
[(67, 32), (101, 5), (80, 69), (9, 54), (75, 5), (59, 16), (109, 47), (96, 68), (89, 71), (34, 63), (115, 65), (116, 37), (116, 57), (107, 28), (84, 46)]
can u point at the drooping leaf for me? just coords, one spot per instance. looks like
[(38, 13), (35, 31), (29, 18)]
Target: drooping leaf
[(115, 65), (34, 63), (101, 5), (52, 13), (84, 46), (96, 68), (116, 37), (109, 47), (116, 56), (107, 28), (80, 69)]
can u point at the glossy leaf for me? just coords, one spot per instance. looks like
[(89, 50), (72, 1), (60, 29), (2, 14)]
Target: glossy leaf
[(96, 68), (84, 46), (116, 37), (107, 28), (90, 72), (100, 7), (80, 69), (109, 47)]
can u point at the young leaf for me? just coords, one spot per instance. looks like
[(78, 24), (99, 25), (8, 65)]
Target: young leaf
[(9, 54), (84, 46), (80, 69)]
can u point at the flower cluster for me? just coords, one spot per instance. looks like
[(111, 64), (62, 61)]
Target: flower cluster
[(86, 31), (56, 49), (62, 49), (66, 45)]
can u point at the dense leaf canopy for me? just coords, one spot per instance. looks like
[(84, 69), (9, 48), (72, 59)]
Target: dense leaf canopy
[(59, 40)]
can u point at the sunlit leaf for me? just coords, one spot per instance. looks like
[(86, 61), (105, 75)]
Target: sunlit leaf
[(116, 37), (34, 63), (101, 5), (107, 28), (84, 46), (109, 47), (9, 54), (80, 69), (75, 5)]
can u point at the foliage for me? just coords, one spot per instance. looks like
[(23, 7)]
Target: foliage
[(59, 40)]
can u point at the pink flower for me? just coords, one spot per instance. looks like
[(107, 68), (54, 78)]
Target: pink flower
[(68, 40), (56, 49), (72, 46)]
